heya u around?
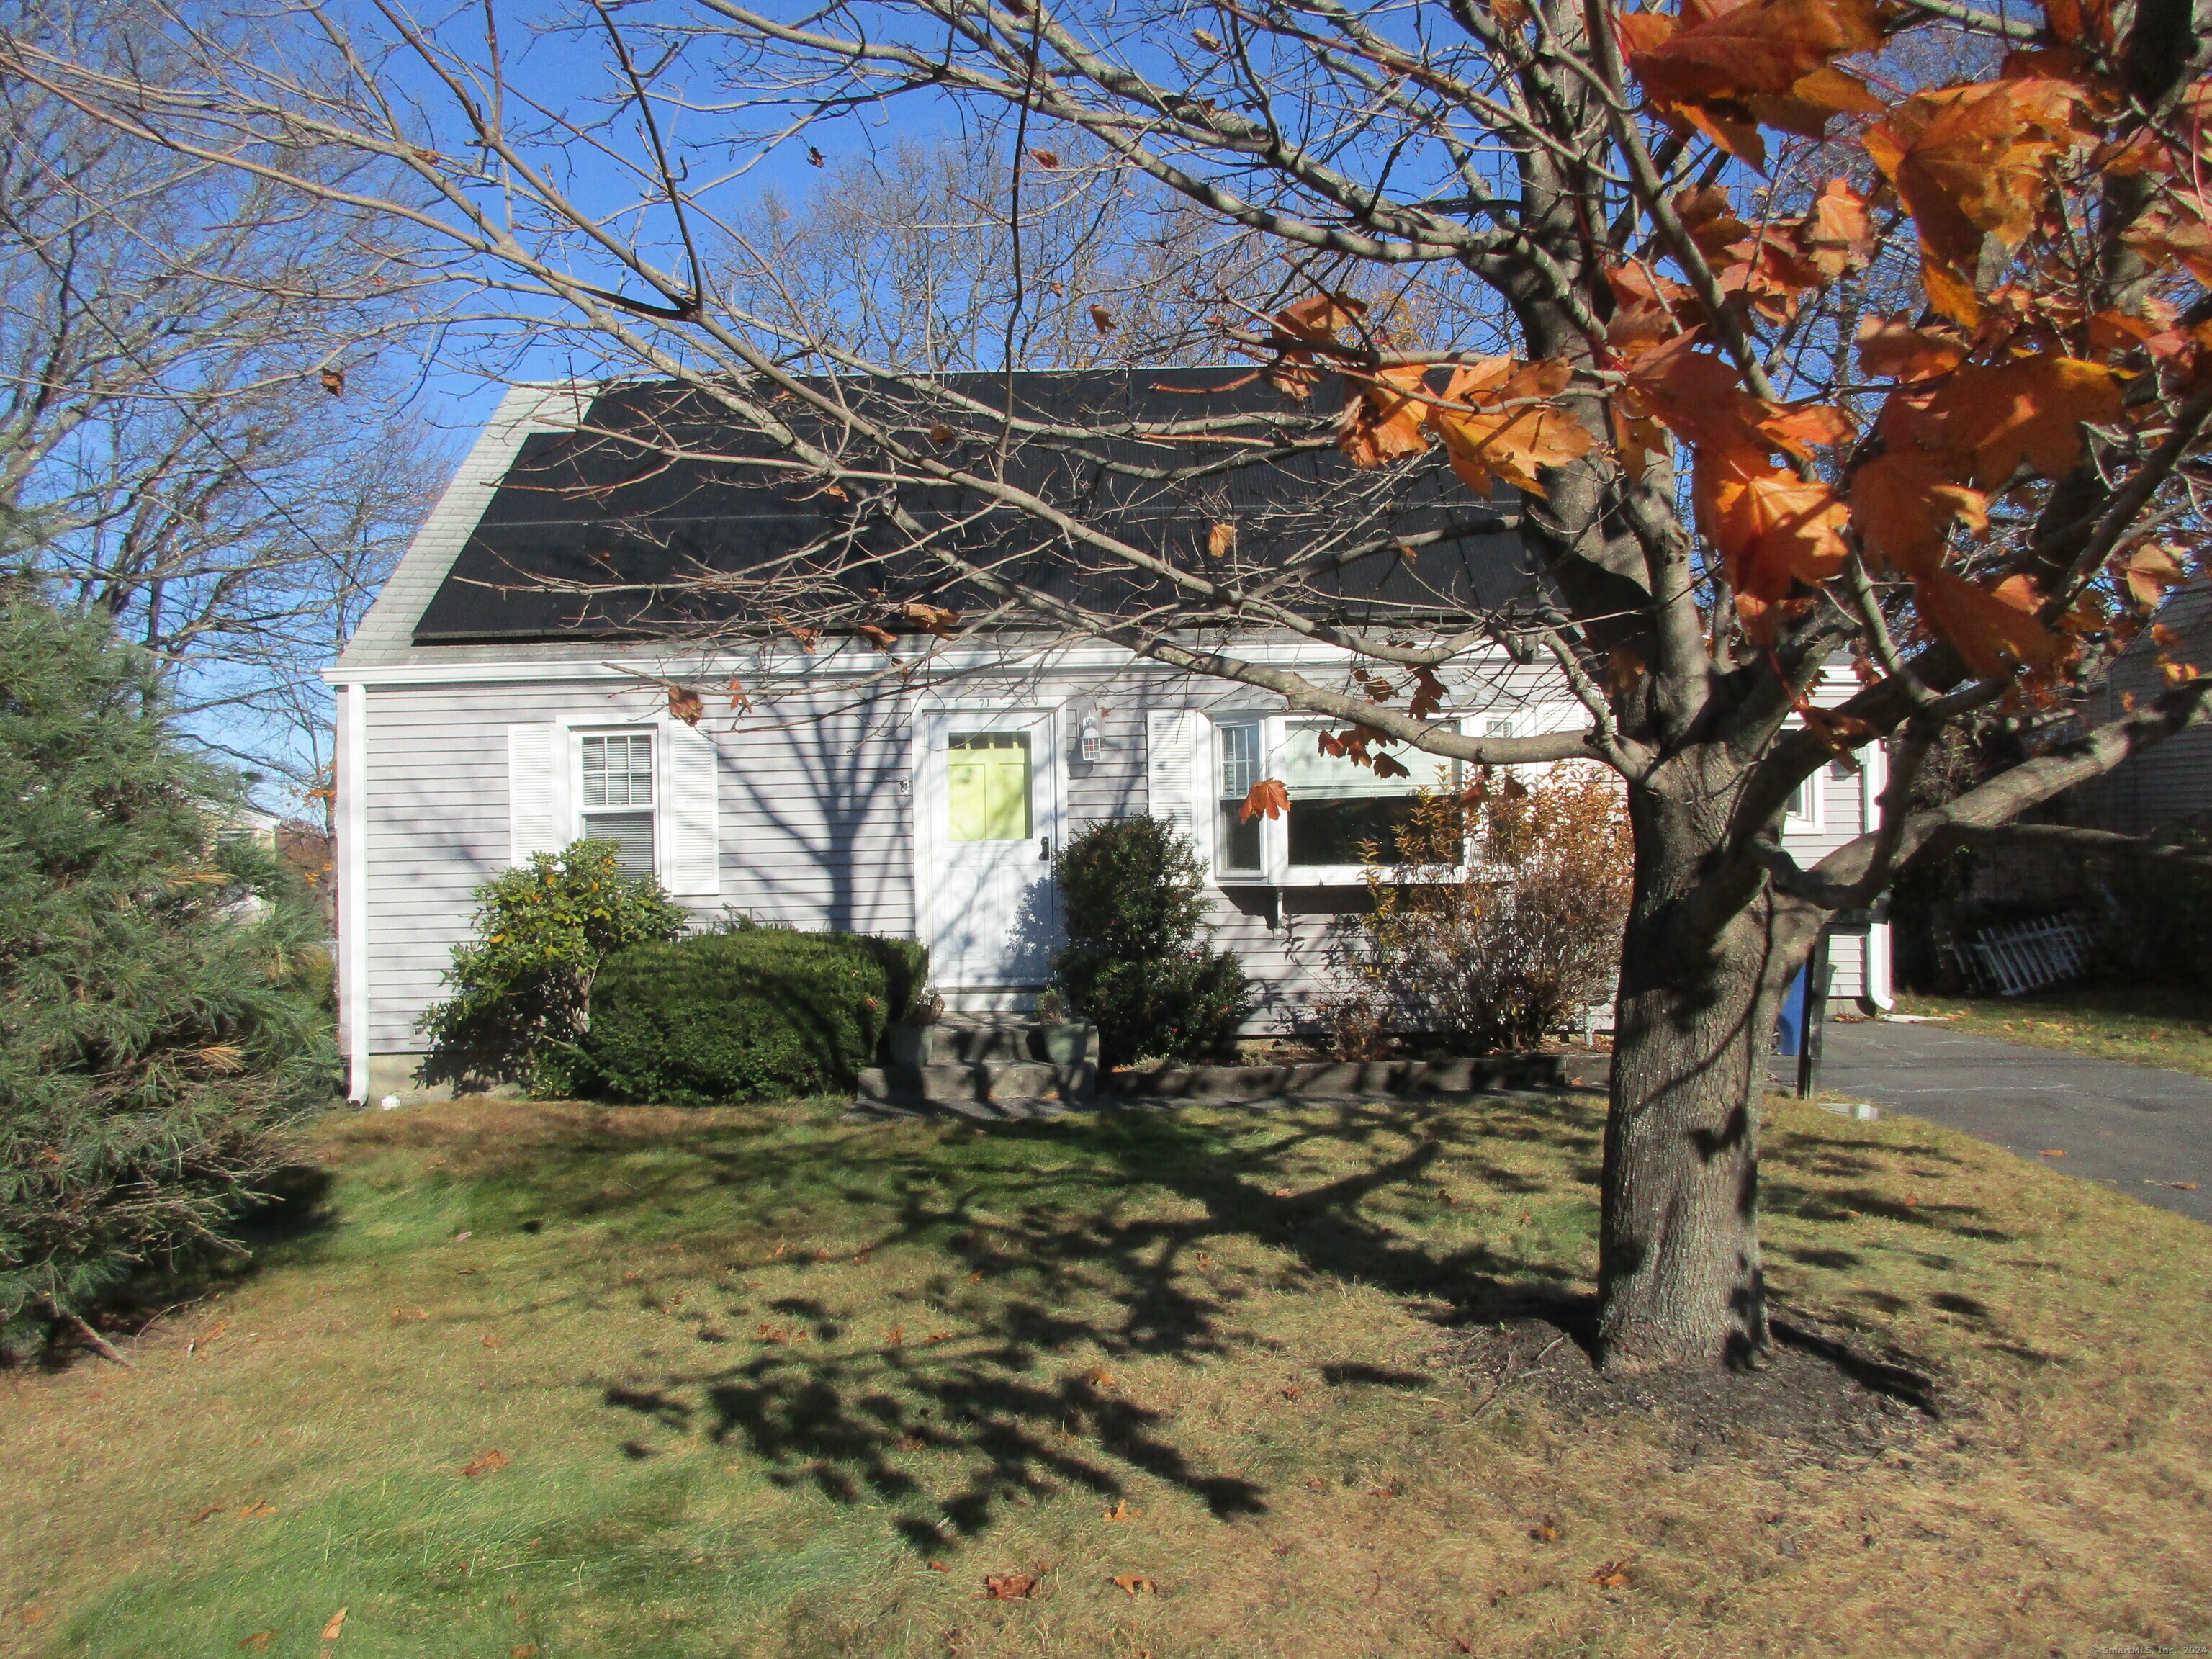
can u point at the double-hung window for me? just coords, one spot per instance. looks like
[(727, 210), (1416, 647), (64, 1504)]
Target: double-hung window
[(617, 797), (1238, 842)]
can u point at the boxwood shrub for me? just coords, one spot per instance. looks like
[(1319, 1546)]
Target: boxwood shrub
[(763, 1012)]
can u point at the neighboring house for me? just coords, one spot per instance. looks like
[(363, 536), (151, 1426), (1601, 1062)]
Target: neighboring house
[(2170, 784), (507, 694), (244, 824)]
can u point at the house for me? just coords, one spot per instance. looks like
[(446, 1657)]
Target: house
[(509, 692), (2170, 786)]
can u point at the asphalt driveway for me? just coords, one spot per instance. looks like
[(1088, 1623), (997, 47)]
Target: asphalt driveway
[(2136, 1128)]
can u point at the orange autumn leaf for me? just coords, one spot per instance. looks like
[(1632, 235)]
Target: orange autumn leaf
[(1220, 539), (2150, 571), (1383, 420), (1265, 799), (1770, 526), (1510, 442), (1995, 630), (1904, 504), (484, 1463), (1766, 47), (933, 619), (1637, 438), (1623, 668), (1763, 620), (1837, 234), (1310, 322), (1008, 1587), (684, 704), (2080, 22), (1890, 348), (1970, 161), (259, 1640), (1132, 1583), (1838, 730), (336, 1626), (882, 638), (1700, 398), (1711, 221), (2029, 409)]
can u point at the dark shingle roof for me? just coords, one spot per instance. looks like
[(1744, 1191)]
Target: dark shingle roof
[(599, 534)]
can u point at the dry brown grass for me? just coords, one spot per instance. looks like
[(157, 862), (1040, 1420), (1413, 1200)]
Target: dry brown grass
[(755, 1371), (2162, 1025)]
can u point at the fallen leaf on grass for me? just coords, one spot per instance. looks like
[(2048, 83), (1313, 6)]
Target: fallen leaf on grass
[(31, 1615), (1462, 1644), (484, 1463), (938, 1336), (255, 1508), (260, 1639), (523, 1650), (2177, 1186), (492, 1339), (1121, 1511), (1612, 1575), (457, 1237), (212, 1509), (402, 1316), (1136, 1584), (937, 1566), (1544, 1532), (1099, 1378), (2051, 1152), (1008, 1587), (336, 1624)]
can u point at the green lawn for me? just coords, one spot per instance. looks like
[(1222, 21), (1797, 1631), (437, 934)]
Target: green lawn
[(765, 1383), (2145, 1025)]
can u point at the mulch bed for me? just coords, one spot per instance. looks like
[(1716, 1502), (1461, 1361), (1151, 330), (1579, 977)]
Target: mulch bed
[(1812, 1399)]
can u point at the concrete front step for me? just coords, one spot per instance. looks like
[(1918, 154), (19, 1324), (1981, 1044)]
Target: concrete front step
[(1341, 1079), (984, 1088), (976, 1039)]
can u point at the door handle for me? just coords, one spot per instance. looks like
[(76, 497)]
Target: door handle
[(1044, 850)]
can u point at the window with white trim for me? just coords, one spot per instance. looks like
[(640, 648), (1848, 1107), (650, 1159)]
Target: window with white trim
[(1804, 806), (1339, 810), (1238, 842), (1337, 806), (617, 796)]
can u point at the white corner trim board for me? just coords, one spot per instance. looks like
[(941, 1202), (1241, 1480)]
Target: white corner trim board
[(353, 882)]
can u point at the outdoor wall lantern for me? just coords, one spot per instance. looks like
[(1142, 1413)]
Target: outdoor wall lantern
[(1088, 739)]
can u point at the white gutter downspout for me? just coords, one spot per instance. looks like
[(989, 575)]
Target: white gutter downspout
[(353, 884), (1874, 778)]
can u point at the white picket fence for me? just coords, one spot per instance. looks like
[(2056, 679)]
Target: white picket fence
[(2026, 956)]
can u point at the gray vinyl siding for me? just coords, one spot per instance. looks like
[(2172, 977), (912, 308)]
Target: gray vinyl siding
[(2173, 782), (813, 824), (815, 819)]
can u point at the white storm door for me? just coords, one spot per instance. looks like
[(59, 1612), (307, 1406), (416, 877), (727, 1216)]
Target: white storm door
[(990, 803)]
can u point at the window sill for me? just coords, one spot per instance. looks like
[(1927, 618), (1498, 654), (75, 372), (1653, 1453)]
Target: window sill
[(1333, 875)]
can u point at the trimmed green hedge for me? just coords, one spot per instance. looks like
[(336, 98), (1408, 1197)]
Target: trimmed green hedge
[(741, 1016)]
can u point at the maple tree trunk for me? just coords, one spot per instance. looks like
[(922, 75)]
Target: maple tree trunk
[(1702, 969)]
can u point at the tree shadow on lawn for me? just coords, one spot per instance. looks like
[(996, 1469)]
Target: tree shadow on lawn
[(1076, 1266)]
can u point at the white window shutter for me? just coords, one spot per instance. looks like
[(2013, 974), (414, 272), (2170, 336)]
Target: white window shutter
[(1178, 750), (537, 790), (689, 813)]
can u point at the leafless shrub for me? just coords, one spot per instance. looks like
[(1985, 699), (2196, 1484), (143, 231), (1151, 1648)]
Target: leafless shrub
[(1499, 919)]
